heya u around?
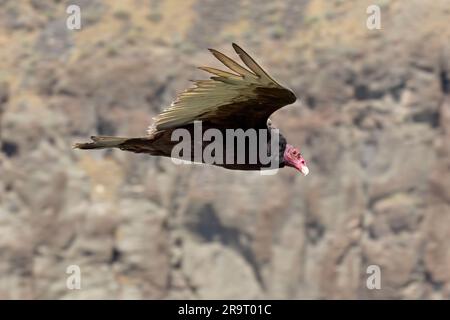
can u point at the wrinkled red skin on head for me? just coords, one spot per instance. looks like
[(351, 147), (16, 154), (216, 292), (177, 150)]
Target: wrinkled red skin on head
[(293, 158)]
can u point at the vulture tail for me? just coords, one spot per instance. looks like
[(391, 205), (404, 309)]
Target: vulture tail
[(101, 142)]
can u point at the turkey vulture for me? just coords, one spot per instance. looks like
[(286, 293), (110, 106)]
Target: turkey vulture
[(238, 99)]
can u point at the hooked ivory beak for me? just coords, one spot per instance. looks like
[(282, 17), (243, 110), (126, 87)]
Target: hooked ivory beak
[(305, 170)]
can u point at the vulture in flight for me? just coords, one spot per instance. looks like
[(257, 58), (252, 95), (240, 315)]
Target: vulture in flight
[(239, 100)]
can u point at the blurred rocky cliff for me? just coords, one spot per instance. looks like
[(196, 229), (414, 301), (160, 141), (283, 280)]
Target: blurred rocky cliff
[(373, 120)]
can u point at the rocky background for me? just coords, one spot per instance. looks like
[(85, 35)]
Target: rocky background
[(373, 120)]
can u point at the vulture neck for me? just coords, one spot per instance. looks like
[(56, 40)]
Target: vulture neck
[(282, 143)]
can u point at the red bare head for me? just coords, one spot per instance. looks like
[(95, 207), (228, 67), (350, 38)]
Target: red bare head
[(293, 158)]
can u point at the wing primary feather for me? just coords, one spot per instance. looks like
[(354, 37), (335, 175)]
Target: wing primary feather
[(249, 62), (221, 73), (226, 80), (233, 65)]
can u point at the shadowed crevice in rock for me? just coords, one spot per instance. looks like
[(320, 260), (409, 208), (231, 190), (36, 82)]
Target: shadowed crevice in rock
[(209, 228), (11, 149), (363, 92), (428, 117), (116, 255), (445, 81), (105, 127), (315, 230)]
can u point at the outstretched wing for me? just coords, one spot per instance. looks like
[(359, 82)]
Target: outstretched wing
[(243, 99)]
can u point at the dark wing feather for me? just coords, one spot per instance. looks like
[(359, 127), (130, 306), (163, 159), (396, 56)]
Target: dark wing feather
[(244, 99)]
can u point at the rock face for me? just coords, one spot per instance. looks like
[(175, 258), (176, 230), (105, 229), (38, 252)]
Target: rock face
[(373, 120)]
